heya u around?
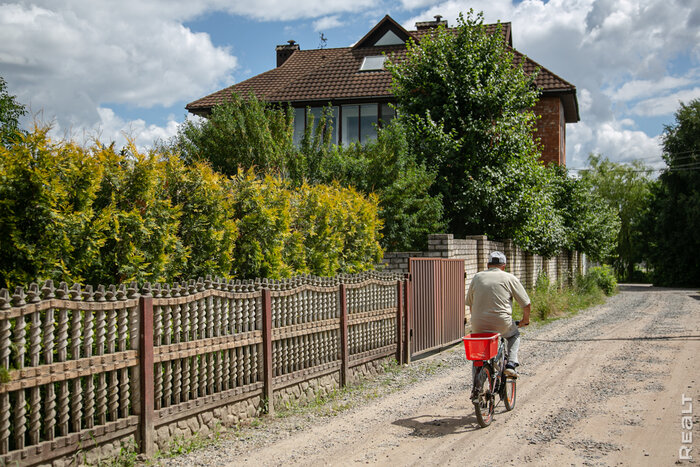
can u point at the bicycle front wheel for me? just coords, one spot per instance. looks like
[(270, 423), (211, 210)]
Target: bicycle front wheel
[(485, 404), (509, 393)]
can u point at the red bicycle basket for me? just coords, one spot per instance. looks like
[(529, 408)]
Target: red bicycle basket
[(481, 345)]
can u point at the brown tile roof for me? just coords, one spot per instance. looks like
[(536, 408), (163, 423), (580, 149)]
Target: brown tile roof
[(333, 74), (545, 80)]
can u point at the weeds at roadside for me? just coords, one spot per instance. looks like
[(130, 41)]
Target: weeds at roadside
[(552, 301)]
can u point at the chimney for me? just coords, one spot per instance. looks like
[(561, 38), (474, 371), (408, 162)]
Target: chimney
[(285, 51), (422, 26)]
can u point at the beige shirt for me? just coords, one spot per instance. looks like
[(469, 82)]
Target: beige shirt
[(490, 297)]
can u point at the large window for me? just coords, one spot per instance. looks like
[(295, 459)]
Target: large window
[(368, 122), (352, 123), (313, 114)]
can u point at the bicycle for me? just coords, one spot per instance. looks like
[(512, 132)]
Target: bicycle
[(489, 352)]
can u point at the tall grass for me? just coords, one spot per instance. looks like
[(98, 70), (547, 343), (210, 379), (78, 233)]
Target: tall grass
[(552, 300)]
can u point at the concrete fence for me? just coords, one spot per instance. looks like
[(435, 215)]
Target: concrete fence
[(85, 370)]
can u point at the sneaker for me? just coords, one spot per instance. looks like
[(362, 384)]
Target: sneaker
[(510, 370)]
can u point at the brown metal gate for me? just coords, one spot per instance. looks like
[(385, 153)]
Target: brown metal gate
[(437, 303)]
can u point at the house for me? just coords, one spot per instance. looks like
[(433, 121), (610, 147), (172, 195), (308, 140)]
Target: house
[(353, 80)]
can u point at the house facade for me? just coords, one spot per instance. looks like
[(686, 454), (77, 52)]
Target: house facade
[(354, 82)]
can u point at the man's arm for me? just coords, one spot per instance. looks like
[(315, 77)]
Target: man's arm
[(526, 316)]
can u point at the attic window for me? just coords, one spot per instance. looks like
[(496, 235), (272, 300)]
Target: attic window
[(389, 38), (373, 63)]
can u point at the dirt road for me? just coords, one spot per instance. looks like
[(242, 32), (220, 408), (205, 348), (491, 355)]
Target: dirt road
[(600, 388)]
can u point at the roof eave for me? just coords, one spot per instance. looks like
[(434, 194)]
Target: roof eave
[(569, 102)]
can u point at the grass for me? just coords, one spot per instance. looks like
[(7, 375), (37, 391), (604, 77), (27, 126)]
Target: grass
[(553, 301)]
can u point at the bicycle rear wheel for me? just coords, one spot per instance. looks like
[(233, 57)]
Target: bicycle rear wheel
[(485, 404), (509, 393)]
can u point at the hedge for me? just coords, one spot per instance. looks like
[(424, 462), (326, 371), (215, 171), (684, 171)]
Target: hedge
[(97, 215)]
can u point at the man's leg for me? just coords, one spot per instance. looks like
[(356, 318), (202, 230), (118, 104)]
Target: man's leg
[(513, 339)]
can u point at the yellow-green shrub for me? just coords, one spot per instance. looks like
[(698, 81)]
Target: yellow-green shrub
[(336, 228)]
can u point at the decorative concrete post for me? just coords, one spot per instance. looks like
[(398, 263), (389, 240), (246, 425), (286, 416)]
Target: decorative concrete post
[(267, 349), (145, 409), (344, 348)]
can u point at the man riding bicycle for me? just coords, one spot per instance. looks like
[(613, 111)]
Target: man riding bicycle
[(490, 299)]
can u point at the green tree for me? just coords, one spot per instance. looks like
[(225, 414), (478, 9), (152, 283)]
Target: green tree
[(10, 113), (626, 188), (591, 225), (240, 133), (675, 210), (470, 111)]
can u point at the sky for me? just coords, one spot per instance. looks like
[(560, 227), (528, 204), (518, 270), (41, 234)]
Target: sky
[(116, 70)]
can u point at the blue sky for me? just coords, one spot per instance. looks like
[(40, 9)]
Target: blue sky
[(100, 71)]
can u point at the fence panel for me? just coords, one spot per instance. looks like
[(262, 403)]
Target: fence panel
[(305, 329), (66, 356), (437, 302), (207, 338), (372, 312)]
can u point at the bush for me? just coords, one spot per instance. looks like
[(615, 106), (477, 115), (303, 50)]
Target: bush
[(604, 278), (317, 229)]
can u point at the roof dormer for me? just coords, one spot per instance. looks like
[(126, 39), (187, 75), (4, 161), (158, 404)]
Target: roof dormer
[(387, 32)]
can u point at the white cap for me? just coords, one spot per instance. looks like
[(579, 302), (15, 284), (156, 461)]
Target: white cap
[(496, 257)]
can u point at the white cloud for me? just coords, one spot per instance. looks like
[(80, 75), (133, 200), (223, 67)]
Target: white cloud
[(327, 22), (612, 140), (637, 89), (71, 58), (413, 4), (665, 105), (112, 128), (282, 10)]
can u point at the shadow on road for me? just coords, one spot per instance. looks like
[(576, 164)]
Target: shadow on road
[(641, 338), (436, 427)]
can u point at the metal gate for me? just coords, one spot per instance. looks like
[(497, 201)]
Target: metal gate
[(437, 303)]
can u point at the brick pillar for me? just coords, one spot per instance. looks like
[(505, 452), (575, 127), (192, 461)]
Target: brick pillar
[(481, 253), (509, 251), (440, 245)]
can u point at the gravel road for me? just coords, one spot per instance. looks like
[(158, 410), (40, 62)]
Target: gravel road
[(603, 387)]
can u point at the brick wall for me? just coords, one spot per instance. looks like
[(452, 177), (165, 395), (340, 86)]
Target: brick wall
[(474, 251), (551, 129)]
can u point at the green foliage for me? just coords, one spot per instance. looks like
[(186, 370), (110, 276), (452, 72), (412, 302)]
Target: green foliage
[(604, 279), (627, 191), (10, 113), (387, 166), (318, 229), (207, 233), (94, 215), (244, 135), (240, 134), (469, 108), (590, 224), (552, 300), (674, 216), (262, 209)]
